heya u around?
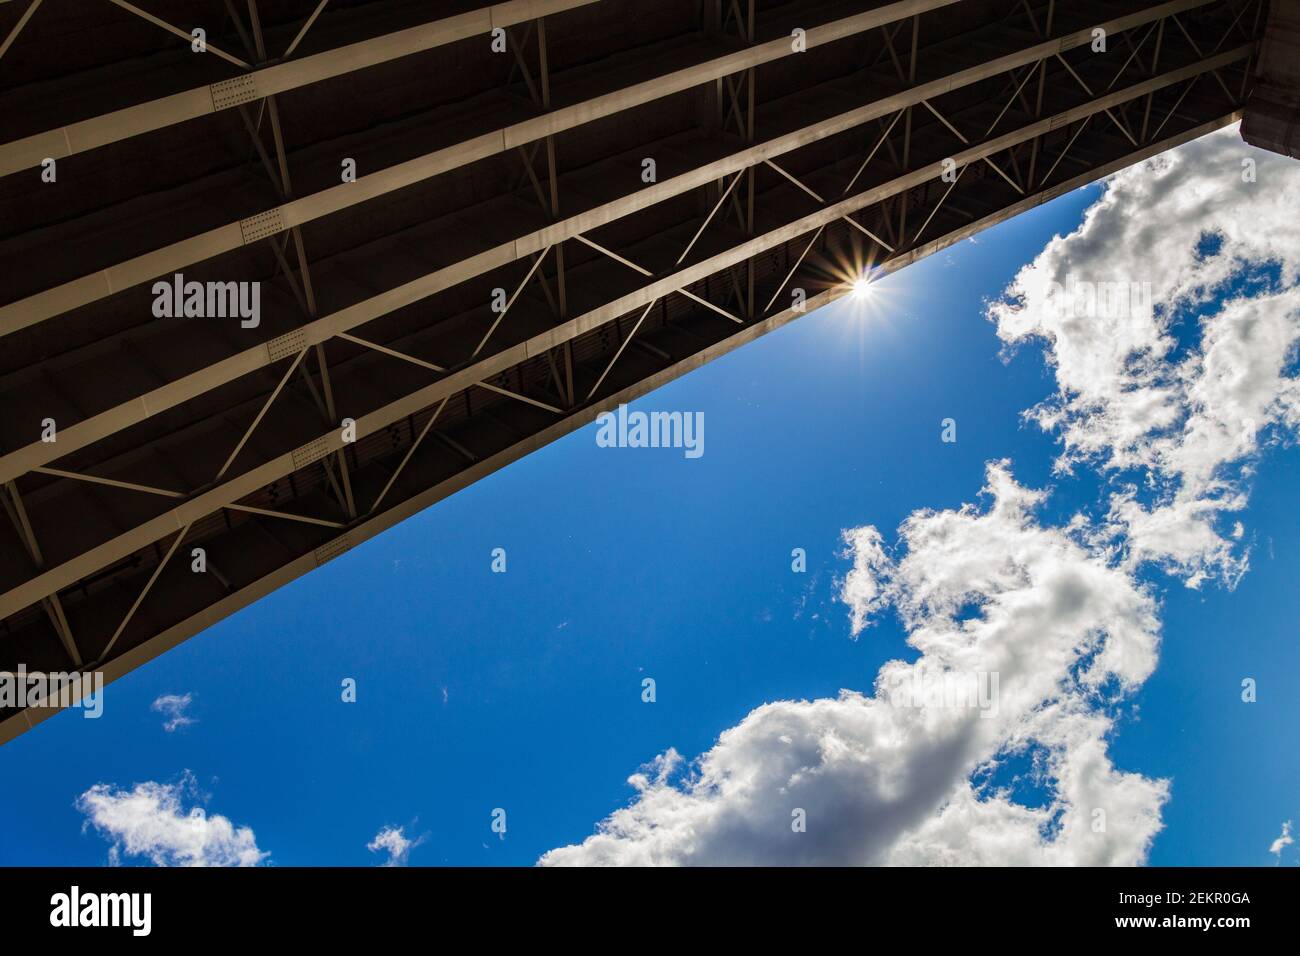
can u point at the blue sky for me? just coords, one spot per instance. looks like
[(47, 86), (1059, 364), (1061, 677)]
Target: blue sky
[(522, 690)]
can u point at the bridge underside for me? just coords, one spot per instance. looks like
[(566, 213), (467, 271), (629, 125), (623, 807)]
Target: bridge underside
[(777, 173)]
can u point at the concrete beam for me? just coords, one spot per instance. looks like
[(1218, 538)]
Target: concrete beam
[(1272, 116)]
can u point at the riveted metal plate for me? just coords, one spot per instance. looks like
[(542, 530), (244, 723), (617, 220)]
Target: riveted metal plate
[(291, 343), (331, 550), (232, 92), (264, 224), (311, 452)]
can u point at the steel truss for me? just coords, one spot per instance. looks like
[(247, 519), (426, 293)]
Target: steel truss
[(771, 179)]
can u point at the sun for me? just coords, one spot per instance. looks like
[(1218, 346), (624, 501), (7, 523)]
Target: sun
[(862, 288)]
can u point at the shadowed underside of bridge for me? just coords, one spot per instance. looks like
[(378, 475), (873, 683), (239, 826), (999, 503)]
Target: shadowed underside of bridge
[(794, 145)]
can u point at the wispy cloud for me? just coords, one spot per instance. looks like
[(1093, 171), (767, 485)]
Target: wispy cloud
[(173, 707), (1282, 842), (394, 842)]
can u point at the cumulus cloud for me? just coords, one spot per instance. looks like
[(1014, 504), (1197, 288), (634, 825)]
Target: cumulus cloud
[(1283, 841), (1171, 318), (173, 707), (887, 778), (150, 820), (394, 842)]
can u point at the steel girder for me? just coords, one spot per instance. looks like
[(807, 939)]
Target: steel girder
[(775, 174)]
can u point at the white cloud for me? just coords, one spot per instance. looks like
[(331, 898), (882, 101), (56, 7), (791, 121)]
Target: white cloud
[(862, 589), (1283, 841), (887, 778), (150, 820), (173, 707), (1185, 420), (394, 842), (1056, 612)]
